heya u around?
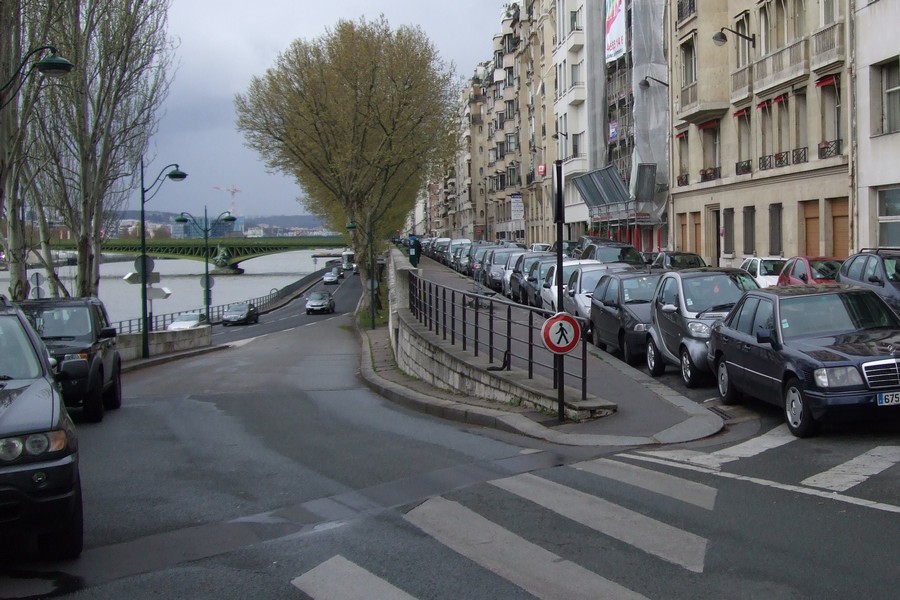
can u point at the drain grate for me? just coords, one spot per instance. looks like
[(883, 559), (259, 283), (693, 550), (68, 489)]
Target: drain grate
[(721, 412)]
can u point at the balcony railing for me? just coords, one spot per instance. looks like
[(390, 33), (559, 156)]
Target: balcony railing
[(686, 8), (741, 83), (743, 167), (782, 159), (683, 180), (689, 95), (765, 162), (799, 155), (710, 173), (781, 66), (830, 148), (828, 45)]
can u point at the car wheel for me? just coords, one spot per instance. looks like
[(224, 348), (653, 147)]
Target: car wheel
[(307, 312), (655, 363), (628, 354), (67, 542), (727, 391), (93, 403), (112, 397), (796, 410), (689, 373), (225, 323), (597, 341)]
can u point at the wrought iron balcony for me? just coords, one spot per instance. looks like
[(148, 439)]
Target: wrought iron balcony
[(827, 149), (782, 159), (743, 167), (799, 155), (683, 180), (766, 162), (710, 173)]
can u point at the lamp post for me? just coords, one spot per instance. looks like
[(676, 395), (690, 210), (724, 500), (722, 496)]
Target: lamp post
[(175, 174), (225, 217), (49, 66)]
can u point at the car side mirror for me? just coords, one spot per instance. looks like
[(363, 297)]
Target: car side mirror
[(669, 308), (108, 332), (875, 279), (571, 293), (767, 336), (803, 277)]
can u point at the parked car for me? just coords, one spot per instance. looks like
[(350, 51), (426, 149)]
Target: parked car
[(814, 350), (40, 486), (508, 269), (455, 244), (79, 328), (580, 288), (476, 262), (517, 289), (877, 269), (494, 268), (649, 257), (319, 301), (240, 313), (439, 249), (609, 251), (332, 277), (461, 257), (190, 320), (568, 246), (539, 247), (534, 281), (801, 270), (548, 286), (685, 305), (668, 260), (583, 242), (765, 270), (620, 312)]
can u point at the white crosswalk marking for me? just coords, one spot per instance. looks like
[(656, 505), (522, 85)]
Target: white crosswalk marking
[(775, 438), (853, 472), (652, 536), (653, 481), (340, 579), (537, 571)]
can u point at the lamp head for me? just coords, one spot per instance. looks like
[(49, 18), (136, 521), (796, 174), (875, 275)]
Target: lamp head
[(229, 218), (53, 65), (181, 219), (351, 226), (719, 38), (176, 174), (644, 83)]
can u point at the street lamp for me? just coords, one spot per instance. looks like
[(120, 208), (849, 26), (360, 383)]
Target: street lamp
[(720, 39), (645, 82), (225, 217), (49, 66), (175, 174)]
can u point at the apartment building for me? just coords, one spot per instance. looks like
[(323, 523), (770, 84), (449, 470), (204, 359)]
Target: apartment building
[(761, 159)]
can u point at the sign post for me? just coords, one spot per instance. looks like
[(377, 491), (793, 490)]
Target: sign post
[(561, 334)]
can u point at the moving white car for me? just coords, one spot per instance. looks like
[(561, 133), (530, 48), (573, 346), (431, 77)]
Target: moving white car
[(190, 320)]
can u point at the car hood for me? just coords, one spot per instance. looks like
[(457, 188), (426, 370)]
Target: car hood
[(180, 326), (316, 302), (640, 312), (63, 347), (235, 313), (877, 345), (27, 405)]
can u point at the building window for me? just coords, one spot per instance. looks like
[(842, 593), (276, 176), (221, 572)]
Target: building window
[(511, 142), (510, 109), (831, 112), (890, 84), (688, 63), (510, 77), (728, 227), (749, 229), (889, 217), (744, 49), (775, 229)]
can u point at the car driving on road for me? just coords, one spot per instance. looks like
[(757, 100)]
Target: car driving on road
[(319, 301), (240, 313)]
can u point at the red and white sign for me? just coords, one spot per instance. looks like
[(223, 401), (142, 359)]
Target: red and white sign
[(542, 169), (561, 333)]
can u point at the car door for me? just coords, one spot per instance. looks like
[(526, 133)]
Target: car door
[(610, 307), (668, 321), (572, 288), (763, 360), (106, 345), (735, 341)]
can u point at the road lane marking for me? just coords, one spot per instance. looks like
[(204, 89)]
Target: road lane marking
[(770, 440), (772, 484), (853, 472), (340, 579), (540, 572), (653, 537), (691, 492)]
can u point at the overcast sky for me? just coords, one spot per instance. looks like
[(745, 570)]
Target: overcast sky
[(224, 44)]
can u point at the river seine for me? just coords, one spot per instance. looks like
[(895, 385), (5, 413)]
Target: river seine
[(183, 277)]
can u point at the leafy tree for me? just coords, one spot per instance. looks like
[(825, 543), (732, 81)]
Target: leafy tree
[(361, 117)]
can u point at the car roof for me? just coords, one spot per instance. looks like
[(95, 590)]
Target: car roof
[(809, 290), (61, 301), (699, 271)]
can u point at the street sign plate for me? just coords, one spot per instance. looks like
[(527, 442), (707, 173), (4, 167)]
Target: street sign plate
[(37, 278), (158, 293), (138, 263), (212, 282), (561, 333), (37, 293), (133, 277)]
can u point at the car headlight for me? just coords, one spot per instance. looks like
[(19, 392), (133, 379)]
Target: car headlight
[(32, 445), (79, 356), (837, 377), (640, 327), (698, 329)]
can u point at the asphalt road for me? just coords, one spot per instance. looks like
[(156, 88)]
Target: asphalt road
[(269, 471)]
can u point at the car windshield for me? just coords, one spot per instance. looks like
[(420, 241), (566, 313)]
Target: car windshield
[(628, 254), (824, 269), (847, 313), (639, 290), (686, 261), (17, 357), (60, 322), (237, 308), (188, 318), (892, 268), (318, 296), (770, 267), (715, 290)]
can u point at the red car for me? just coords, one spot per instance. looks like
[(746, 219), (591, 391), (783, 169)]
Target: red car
[(800, 270)]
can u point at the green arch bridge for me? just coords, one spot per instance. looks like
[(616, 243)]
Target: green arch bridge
[(225, 253)]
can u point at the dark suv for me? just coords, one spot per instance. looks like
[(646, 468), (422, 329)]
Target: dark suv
[(877, 269), (609, 251), (79, 329), (40, 489)]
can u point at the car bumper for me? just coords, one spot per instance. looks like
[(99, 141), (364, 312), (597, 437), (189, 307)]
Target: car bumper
[(699, 351), (851, 401), (29, 507), (313, 309)]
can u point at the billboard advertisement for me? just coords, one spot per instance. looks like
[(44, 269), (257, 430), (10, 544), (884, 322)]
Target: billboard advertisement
[(615, 29)]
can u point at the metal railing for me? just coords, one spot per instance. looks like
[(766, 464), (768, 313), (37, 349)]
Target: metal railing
[(508, 333)]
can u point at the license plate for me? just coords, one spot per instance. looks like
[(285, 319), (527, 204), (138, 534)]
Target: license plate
[(888, 398)]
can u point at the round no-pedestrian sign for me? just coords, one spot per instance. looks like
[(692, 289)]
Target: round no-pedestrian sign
[(561, 333)]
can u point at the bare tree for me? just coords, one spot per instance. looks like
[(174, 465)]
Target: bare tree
[(361, 117), (89, 135)]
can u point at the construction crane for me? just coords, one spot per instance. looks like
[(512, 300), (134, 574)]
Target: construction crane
[(231, 190)]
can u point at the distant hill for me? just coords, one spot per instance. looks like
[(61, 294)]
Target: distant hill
[(282, 221)]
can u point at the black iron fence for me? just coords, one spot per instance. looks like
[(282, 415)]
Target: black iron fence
[(508, 334)]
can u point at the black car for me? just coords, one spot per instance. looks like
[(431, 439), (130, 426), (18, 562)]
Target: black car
[(877, 269), (620, 312), (240, 313), (811, 349), (517, 291), (40, 487), (609, 251), (684, 307), (79, 329), (534, 281), (668, 260)]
